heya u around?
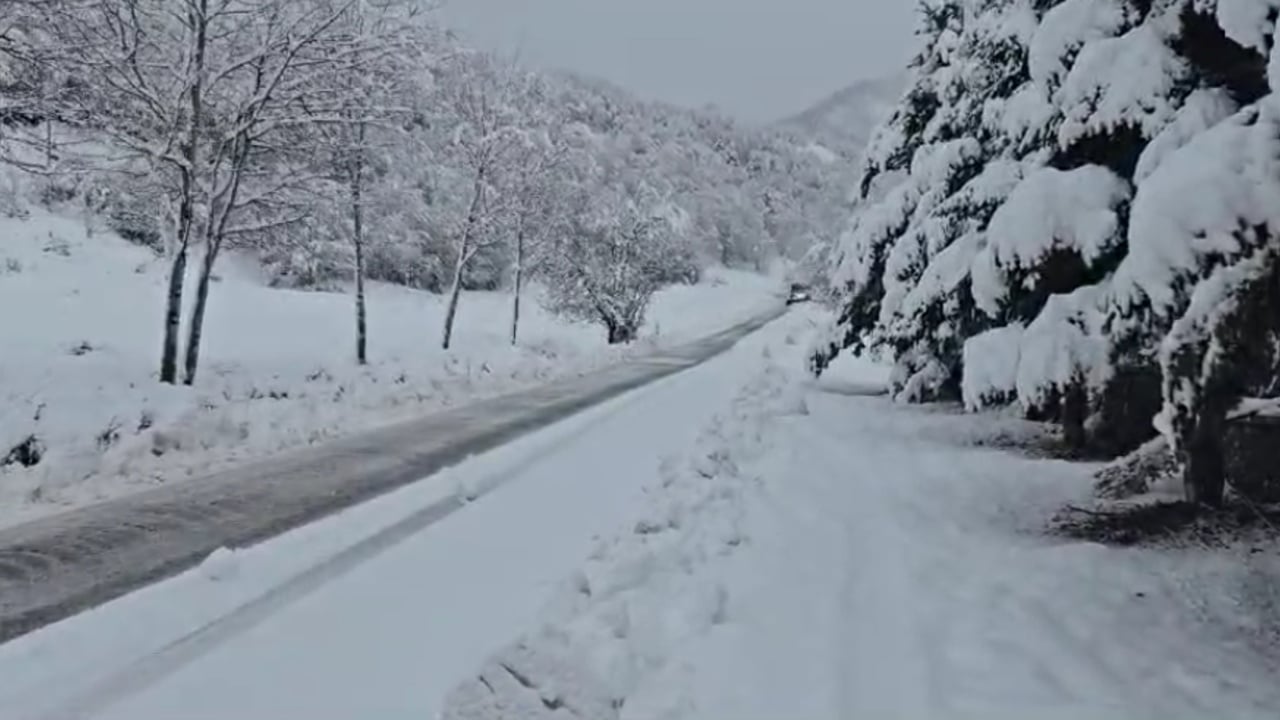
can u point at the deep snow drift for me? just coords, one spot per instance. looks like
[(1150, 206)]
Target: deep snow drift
[(82, 335)]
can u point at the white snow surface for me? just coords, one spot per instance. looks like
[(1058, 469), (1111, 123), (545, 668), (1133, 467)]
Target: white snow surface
[(822, 554), (82, 318), (1200, 111), (1064, 29), (1249, 22), (389, 637), (734, 542), (990, 376)]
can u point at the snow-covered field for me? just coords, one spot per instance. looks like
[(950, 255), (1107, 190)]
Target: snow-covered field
[(80, 318)]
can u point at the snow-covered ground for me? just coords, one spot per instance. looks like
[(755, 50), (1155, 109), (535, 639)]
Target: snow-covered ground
[(79, 345), (290, 628), (823, 553), (733, 542)]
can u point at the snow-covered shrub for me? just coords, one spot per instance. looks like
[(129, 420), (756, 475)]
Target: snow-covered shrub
[(991, 367), (1062, 360), (1136, 472), (616, 257), (311, 266)]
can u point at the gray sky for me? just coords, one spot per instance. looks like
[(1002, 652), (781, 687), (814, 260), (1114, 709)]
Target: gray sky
[(756, 59)]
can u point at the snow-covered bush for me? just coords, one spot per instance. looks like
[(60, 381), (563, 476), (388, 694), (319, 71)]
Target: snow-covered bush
[(991, 367), (614, 259)]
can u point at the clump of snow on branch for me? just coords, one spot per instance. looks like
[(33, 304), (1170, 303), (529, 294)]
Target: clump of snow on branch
[(1064, 347), (1191, 209), (1051, 210), (991, 367), (1126, 80)]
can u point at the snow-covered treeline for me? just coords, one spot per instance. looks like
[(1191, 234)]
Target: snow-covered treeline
[(354, 140), (1076, 207)]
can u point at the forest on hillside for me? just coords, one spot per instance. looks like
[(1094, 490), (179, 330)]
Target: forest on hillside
[(1075, 210)]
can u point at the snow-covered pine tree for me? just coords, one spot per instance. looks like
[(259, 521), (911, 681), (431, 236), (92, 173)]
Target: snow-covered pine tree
[(995, 204), (1199, 292), (908, 255), (1096, 77), (928, 308), (886, 196)]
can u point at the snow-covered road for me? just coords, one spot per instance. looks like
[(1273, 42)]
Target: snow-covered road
[(731, 543), (378, 611), (56, 566)]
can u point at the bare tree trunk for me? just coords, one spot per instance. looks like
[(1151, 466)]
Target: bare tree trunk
[(173, 315), (464, 256), (1204, 471), (515, 303), (362, 327), (357, 222), (620, 333), (198, 17), (1075, 408), (454, 293), (214, 233), (195, 330)]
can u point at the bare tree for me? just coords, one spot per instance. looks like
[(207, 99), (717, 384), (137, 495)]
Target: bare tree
[(202, 91), (620, 249), (479, 94), (534, 185), (382, 56)]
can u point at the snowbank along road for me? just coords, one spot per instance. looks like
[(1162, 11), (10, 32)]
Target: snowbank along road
[(55, 567)]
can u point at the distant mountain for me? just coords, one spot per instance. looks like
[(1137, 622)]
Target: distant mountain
[(843, 122)]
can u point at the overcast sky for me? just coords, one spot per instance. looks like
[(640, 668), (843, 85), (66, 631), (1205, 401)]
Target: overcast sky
[(756, 59)]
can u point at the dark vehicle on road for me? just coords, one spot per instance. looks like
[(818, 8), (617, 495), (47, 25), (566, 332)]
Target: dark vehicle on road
[(799, 293)]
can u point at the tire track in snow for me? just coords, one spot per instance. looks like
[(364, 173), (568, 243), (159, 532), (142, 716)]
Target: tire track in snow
[(884, 674), (155, 667)]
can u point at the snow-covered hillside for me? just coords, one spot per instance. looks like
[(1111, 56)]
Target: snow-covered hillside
[(843, 122), (81, 340)]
